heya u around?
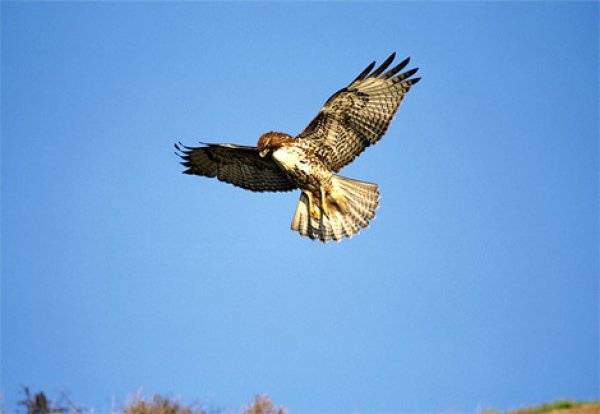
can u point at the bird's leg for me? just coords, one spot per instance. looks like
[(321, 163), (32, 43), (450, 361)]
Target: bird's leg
[(314, 211), (324, 207)]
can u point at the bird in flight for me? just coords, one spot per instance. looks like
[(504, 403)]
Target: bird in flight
[(331, 207)]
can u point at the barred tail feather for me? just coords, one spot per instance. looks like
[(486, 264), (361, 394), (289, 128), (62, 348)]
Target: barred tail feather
[(302, 219), (350, 205)]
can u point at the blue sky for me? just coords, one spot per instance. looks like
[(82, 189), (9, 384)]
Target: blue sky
[(476, 286)]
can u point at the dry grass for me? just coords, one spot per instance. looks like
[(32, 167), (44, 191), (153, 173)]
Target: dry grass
[(39, 404), (557, 407), (159, 405), (263, 405)]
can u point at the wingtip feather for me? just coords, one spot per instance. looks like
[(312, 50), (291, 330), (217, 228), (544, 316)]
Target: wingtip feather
[(383, 66), (396, 68), (365, 72), (405, 75)]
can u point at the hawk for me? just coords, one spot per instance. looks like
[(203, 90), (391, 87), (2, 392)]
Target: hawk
[(330, 206)]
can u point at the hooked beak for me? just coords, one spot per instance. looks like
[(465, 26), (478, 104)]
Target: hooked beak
[(264, 153)]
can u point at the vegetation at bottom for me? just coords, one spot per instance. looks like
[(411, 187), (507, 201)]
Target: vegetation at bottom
[(556, 407), (38, 403)]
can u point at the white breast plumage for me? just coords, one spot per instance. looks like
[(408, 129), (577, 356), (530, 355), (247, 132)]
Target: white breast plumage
[(291, 158)]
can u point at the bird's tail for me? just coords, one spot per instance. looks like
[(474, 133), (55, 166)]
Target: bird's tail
[(347, 207)]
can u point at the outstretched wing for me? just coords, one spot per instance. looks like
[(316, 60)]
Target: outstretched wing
[(235, 164), (358, 115)]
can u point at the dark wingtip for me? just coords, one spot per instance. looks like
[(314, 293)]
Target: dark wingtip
[(396, 69), (183, 148), (383, 66), (409, 73), (405, 75), (365, 72)]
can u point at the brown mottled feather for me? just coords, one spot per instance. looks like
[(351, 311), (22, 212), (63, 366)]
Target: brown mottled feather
[(235, 164), (359, 115)]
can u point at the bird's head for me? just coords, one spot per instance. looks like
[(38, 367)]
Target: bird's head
[(264, 143), (271, 141)]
